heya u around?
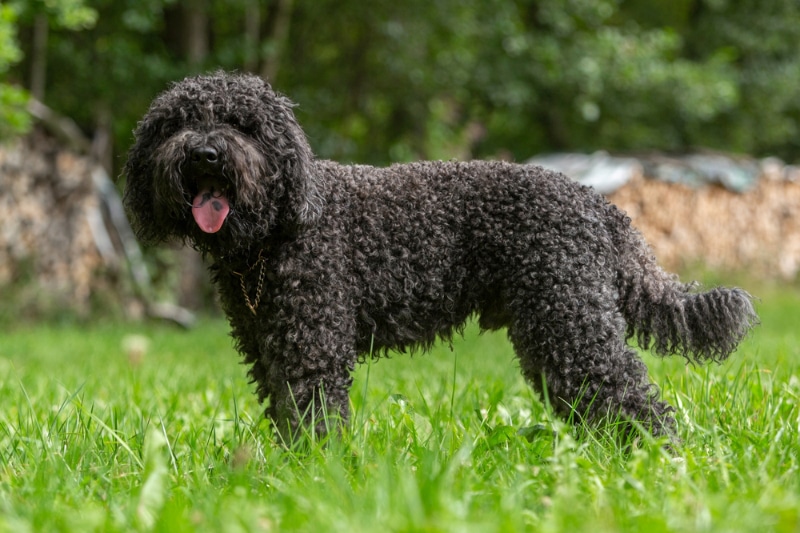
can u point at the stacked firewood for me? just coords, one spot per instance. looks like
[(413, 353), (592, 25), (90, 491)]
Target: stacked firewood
[(48, 207), (757, 231)]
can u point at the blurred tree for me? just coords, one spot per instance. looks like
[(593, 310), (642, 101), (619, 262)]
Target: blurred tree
[(38, 17), (386, 83), (105, 76), (583, 74), (762, 39), (438, 78), (13, 117)]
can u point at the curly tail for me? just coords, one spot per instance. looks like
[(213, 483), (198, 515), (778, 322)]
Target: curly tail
[(674, 318)]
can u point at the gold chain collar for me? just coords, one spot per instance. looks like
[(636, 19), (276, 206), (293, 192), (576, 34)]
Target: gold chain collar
[(261, 263)]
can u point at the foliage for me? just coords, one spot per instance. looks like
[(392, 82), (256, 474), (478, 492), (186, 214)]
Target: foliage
[(448, 78), (145, 428), (13, 117), (760, 37), (66, 14), (114, 69)]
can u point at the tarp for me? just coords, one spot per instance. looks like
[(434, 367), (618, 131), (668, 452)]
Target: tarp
[(599, 170), (607, 173)]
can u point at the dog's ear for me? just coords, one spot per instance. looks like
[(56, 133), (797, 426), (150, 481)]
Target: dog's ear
[(155, 207), (139, 196), (285, 139), (303, 195)]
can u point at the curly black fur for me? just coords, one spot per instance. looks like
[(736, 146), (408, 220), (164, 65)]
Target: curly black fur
[(356, 258)]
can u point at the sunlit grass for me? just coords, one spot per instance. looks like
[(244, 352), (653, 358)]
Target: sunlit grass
[(99, 432)]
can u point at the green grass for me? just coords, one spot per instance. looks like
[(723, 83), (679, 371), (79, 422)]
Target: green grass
[(94, 437)]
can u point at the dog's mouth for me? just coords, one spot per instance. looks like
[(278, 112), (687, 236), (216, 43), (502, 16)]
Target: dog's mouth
[(210, 206)]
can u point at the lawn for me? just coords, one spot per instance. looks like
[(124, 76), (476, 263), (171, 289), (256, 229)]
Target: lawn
[(144, 427)]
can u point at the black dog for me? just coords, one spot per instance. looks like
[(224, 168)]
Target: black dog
[(320, 265)]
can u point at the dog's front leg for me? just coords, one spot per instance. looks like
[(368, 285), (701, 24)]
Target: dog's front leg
[(310, 381), (313, 404)]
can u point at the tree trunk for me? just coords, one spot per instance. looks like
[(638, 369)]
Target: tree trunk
[(252, 35), (195, 31), (186, 30), (41, 28), (277, 39)]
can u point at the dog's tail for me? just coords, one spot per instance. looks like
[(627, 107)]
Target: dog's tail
[(675, 318)]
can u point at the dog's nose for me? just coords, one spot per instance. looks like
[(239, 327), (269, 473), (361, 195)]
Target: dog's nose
[(205, 156)]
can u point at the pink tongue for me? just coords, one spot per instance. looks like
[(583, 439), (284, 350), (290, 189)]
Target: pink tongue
[(209, 210)]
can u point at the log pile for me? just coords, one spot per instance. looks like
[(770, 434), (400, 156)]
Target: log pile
[(48, 207), (757, 232)]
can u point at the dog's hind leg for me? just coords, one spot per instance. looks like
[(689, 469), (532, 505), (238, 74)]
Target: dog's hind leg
[(574, 350)]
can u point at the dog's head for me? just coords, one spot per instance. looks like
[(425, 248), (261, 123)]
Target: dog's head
[(219, 161)]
